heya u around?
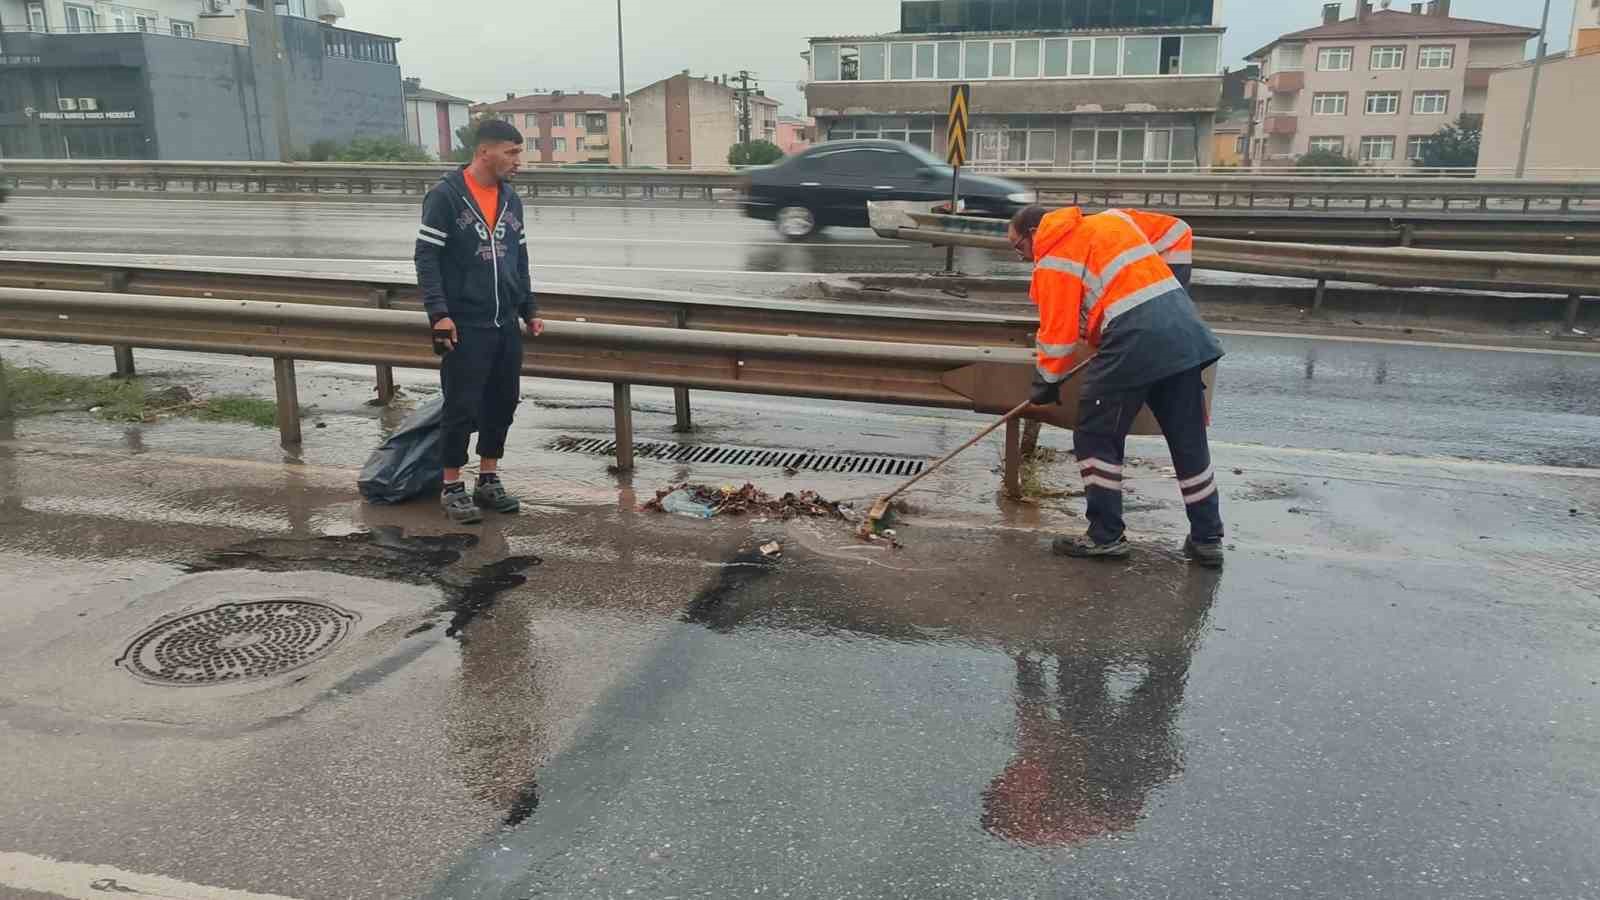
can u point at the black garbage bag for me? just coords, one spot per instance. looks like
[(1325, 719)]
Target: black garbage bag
[(407, 465)]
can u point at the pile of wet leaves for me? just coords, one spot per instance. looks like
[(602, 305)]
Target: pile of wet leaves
[(706, 501)]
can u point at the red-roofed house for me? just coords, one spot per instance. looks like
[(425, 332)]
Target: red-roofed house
[(1375, 86)]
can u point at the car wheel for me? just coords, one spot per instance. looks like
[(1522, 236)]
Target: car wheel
[(796, 222)]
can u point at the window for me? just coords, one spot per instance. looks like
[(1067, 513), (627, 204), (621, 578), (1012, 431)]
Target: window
[(1082, 56), (849, 63), (1383, 103), (978, 59), (1377, 149), (1290, 57), (1105, 55), (1328, 145), (559, 120), (1415, 145), (1335, 59), (1440, 57), (900, 61), (854, 164), (1430, 103), (825, 60), (925, 60), (1027, 59), (1387, 59), (579, 143), (595, 123), (537, 143), (1240, 145), (145, 23), (1141, 56), (872, 62), (119, 19), (182, 29), (530, 120), (36, 19), (1329, 104), (561, 145), (79, 18), (1055, 58), (950, 61), (1201, 54), (1001, 68)]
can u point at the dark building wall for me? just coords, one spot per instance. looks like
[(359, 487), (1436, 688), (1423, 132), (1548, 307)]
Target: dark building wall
[(333, 99), (37, 70), (205, 99)]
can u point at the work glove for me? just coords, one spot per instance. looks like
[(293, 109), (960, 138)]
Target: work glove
[(1045, 393)]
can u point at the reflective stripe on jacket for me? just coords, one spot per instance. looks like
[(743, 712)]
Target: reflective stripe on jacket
[(1094, 272)]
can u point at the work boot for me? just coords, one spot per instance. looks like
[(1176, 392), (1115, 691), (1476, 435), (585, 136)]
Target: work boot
[(458, 506), (1084, 547), (493, 495), (1205, 553)]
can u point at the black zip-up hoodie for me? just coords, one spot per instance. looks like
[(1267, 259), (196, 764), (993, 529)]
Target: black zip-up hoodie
[(477, 279)]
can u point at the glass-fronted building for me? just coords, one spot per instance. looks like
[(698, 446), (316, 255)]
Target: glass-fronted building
[(1097, 85)]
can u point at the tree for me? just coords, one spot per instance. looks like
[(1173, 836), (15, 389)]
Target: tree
[(1326, 159), (754, 153), (1454, 146), (384, 149)]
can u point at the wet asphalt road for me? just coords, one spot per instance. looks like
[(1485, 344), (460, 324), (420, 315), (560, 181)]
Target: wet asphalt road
[(1390, 692)]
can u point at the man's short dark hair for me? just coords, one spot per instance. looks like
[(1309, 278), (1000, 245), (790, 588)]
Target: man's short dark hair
[(1027, 219), (496, 131)]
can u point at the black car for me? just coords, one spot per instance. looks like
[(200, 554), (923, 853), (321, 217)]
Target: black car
[(831, 183)]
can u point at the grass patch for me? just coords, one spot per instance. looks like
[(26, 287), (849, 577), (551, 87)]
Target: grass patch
[(235, 408), (35, 391), (39, 391), (1033, 472)]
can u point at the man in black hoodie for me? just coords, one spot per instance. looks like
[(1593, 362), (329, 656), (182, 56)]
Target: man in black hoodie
[(472, 267)]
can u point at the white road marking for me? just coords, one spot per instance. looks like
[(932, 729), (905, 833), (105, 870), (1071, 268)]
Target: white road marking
[(82, 881)]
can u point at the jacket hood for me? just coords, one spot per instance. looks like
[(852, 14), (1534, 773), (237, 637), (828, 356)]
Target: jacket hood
[(1053, 229)]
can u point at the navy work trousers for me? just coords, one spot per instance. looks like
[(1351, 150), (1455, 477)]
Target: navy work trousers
[(1100, 441), (482, 380)]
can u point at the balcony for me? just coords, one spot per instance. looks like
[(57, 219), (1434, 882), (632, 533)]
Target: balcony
[(1287, 82), (1281, 125)]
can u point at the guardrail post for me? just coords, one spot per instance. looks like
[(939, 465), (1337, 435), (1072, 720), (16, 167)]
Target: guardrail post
[(117, 283), (5, 394), (622, 405), (288, 401), (386, 391), (1013, 470), (1407, 234), (680, 395), (1574, 306), (1319, 297)]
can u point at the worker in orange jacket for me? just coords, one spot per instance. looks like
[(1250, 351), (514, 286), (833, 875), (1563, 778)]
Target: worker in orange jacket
[(1118, 280)]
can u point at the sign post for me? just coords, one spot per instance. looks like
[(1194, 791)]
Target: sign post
[(956, 154)]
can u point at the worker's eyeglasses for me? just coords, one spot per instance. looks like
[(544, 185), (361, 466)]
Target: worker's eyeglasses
[(1022, 254)]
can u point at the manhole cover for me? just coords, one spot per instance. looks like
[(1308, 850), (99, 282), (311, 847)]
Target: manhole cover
[(236, 642)]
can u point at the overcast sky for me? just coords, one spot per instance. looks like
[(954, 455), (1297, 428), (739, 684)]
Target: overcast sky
[(572, 44)]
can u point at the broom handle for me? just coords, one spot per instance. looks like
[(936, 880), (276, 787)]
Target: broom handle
[(980, 436)]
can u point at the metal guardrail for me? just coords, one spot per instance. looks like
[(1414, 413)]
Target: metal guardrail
[(349, 178), (1575, 276), (1373, 195), (982, 379)]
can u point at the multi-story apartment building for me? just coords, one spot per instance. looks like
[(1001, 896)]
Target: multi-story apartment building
[(433, 119), (564, 128), (1099, 85), (190, 79), (1585, 27), (1375, 86), (692, 120)]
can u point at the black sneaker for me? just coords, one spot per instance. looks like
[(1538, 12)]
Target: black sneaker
[(458, 506), (493, 495), (1208, 554), (1083, 547)]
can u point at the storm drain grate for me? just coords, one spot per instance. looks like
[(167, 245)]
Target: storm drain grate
[(236, 642), (804, 460)]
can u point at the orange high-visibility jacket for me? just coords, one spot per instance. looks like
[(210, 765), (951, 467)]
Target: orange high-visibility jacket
[(1117, 280)]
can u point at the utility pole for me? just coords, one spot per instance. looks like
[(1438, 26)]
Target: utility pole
[(622, 87), (1533, 91), (744, 106)]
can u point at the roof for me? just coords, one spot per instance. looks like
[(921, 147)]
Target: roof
[(1390, 23), (564, 102), (428, 96)]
